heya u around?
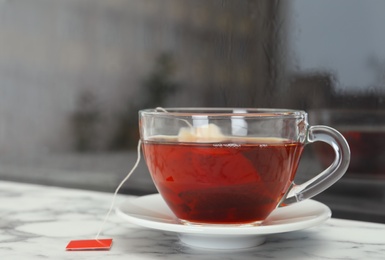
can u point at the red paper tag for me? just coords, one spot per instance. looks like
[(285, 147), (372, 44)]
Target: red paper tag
[(91, 244)]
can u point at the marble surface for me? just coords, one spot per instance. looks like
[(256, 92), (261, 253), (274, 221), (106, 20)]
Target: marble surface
[(37, 222)]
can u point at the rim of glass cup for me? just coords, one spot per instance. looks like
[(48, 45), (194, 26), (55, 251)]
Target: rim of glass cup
[(223, 112)]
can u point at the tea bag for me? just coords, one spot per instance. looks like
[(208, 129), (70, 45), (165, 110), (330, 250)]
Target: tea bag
[(204, 133), (201, 134), (98, 243)]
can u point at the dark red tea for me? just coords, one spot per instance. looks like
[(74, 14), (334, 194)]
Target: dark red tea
[(223, 183)]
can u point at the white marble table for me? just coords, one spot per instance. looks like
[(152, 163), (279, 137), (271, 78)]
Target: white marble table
[(36, 222)]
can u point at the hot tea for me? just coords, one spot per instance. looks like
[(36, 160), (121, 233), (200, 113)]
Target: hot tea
[(231, 182), (233, 166)]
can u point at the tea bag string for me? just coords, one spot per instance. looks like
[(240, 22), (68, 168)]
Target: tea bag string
[(128, 176), (184, 120), (118, 188), (161, 109)]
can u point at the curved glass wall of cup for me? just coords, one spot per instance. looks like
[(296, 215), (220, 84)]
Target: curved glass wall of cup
[(75, 73)]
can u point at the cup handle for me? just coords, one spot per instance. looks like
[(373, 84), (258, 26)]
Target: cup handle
[(331, 174)]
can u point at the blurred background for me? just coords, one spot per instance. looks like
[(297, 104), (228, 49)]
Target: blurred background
[(74, 73)]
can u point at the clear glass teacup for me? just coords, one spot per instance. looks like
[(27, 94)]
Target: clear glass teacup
[(233, 166)]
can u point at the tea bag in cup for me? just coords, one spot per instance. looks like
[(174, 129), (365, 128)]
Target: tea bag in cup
[(201, 134)]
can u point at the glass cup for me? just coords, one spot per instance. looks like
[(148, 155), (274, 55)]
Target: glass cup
[(233, 166)]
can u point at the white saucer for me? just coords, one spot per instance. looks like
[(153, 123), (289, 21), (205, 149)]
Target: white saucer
[(152, 212)]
